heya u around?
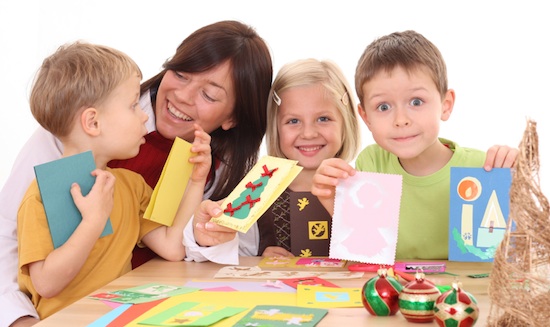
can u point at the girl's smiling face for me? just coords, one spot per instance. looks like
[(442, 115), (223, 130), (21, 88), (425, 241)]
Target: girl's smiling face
[(309, 125)]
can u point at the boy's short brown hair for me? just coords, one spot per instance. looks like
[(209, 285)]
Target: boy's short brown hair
[(408, 49), (77, 76)]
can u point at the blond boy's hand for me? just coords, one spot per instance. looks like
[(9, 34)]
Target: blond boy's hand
[(97, 205), (208, 233), (203, 159), (500, 156)]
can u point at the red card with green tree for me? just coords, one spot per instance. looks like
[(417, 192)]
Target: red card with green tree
[(263, 184)]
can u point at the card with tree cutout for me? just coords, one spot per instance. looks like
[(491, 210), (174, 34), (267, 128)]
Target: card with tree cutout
[(263, 184)]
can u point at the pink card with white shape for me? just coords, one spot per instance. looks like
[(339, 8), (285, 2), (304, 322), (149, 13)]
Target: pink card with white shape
[(366, 218)]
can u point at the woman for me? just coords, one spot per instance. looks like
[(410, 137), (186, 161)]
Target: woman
[(220, 78)]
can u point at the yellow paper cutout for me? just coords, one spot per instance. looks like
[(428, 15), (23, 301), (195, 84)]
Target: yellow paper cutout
[(314, 296), (238, 299), (171, 185), (262, 191)]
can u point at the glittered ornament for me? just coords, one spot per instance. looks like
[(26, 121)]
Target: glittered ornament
[(456, 308), (417, 299), (380, 294)]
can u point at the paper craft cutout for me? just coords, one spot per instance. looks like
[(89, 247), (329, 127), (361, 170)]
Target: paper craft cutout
[(232, 286), (171, 185), (192, 314), (279, 316), (312, 281), (245, 299), (478, 212), (257, 273), (263, 184), (324, 263), (328, 297), (310, 225), (366, 216), (54, 182), (143, 293)]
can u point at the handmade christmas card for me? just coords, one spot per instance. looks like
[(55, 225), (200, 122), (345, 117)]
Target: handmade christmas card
[(171, 185), (478, 212), (366, 216), (144, 293), (279, 316), (192, 314), (256, 192), (328, 297), (54, 182), (310, 225)]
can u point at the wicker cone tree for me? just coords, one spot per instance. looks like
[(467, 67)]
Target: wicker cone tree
[(520, 279)]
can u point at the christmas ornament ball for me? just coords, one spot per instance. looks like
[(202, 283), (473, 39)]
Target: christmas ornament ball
[(456, 308), (417, 299), (380, 294)]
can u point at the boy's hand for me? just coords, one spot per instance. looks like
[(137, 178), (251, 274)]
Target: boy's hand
[(97, 205), (203, 159), (208, 233), (327, 175), (276, 251), (500, 156), (326, 178)]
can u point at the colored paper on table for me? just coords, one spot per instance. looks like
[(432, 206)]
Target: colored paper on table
[(192, 314), (366, 218), (312, 281), (310, 225), (478, 212), (110, 316), (255, 193), (143, 293), (244, 299), (171, 185), (135, 311), (282, 315), (54, 182), (301, 263), (248, 286), (328, 297)]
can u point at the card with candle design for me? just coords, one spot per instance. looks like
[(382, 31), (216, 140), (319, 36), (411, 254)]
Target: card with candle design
[(478, 212)]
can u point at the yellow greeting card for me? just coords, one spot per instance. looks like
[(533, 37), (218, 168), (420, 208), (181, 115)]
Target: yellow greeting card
[(314, 296), (256, 192), (171, 185)]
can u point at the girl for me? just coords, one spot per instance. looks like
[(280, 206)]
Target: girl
[(311, 117)]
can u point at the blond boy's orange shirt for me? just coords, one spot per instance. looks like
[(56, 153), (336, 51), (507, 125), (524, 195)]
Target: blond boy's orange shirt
[(111, 255)]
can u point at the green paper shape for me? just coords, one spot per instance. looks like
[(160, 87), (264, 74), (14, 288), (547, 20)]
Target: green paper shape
[(191, 314), (280, 315), (54, 182)]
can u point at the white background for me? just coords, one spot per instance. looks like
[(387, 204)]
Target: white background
[(497, 52)]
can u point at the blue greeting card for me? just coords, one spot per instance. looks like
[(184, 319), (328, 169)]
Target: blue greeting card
[(479, 208), (54, 182)]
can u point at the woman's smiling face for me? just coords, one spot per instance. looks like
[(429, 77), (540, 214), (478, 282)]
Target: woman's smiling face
[(206, 98)]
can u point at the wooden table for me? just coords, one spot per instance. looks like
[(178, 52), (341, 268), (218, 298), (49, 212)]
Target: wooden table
[(85, 311)]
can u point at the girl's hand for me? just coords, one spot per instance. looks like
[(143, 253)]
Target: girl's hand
[(276, 251)]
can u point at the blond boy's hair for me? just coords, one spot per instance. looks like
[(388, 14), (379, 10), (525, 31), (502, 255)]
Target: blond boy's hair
[(307, 72), (409, 50), (78, 75)]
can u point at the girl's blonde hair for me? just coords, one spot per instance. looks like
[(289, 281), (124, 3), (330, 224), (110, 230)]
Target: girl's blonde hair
[(307, 72)]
